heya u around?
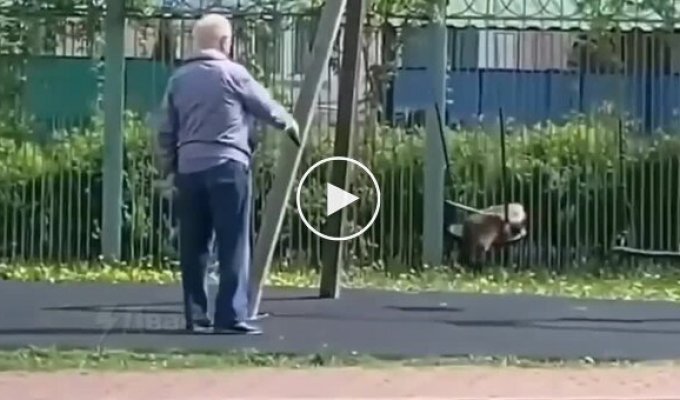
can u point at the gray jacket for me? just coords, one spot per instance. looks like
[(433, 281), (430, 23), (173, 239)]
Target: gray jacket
[(210, 105)]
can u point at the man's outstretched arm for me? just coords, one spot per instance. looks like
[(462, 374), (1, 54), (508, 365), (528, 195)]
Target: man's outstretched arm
[(262, 105)]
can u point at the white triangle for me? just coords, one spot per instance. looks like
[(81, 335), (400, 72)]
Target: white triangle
[(337, 199)]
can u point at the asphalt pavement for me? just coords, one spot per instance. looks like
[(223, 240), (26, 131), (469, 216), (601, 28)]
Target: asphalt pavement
[(379, 323)]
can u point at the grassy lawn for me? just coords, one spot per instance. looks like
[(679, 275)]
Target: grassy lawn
[(54, 359), (648, 284)]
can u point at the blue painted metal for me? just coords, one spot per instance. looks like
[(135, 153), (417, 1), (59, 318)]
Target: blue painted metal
[(530, 97), (526, 96)]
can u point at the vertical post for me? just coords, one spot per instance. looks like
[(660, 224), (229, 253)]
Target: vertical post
[(289, 160), (433, 201), (504, 180), (344, 143), (114, 71)]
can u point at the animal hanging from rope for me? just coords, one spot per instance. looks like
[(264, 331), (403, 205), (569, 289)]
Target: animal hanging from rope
[(490, 228)]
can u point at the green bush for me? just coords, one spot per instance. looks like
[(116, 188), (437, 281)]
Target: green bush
[(578, 186)]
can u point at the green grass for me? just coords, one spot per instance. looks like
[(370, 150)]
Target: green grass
[(55, 359), (654, 284)]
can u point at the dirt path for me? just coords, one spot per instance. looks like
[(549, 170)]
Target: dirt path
[(349, 383)]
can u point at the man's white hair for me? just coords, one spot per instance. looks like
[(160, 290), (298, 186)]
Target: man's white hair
[(208, 31)]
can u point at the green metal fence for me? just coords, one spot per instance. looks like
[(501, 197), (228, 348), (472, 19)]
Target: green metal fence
[(587, 181)]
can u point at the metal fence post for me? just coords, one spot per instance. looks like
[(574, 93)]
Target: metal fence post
[(433, 196), (114, 81)]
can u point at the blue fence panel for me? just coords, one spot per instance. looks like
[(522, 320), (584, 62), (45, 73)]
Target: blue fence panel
[(464, 94), (411, 92), (564, 94), (523, 96), (63, 92), (415, 93), (665, 101), (600, 89), (530, 97)]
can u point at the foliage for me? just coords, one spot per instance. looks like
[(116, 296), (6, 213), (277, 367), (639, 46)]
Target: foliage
[(578, 187), (643, 284), (108, 359)]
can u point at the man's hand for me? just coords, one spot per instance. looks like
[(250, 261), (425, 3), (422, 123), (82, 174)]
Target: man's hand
[(293, 131)]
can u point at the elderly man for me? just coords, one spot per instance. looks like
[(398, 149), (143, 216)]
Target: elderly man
[(204, 137)]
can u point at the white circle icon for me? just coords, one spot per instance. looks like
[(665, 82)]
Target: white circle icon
[(337, 199)]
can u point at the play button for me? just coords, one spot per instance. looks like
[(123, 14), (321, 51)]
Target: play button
[(337, 198)]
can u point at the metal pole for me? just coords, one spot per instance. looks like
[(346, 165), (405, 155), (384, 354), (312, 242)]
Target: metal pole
[(344, 142), (434, 165), (114, 81), (289, 159), (504, 177), (504, 164)]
